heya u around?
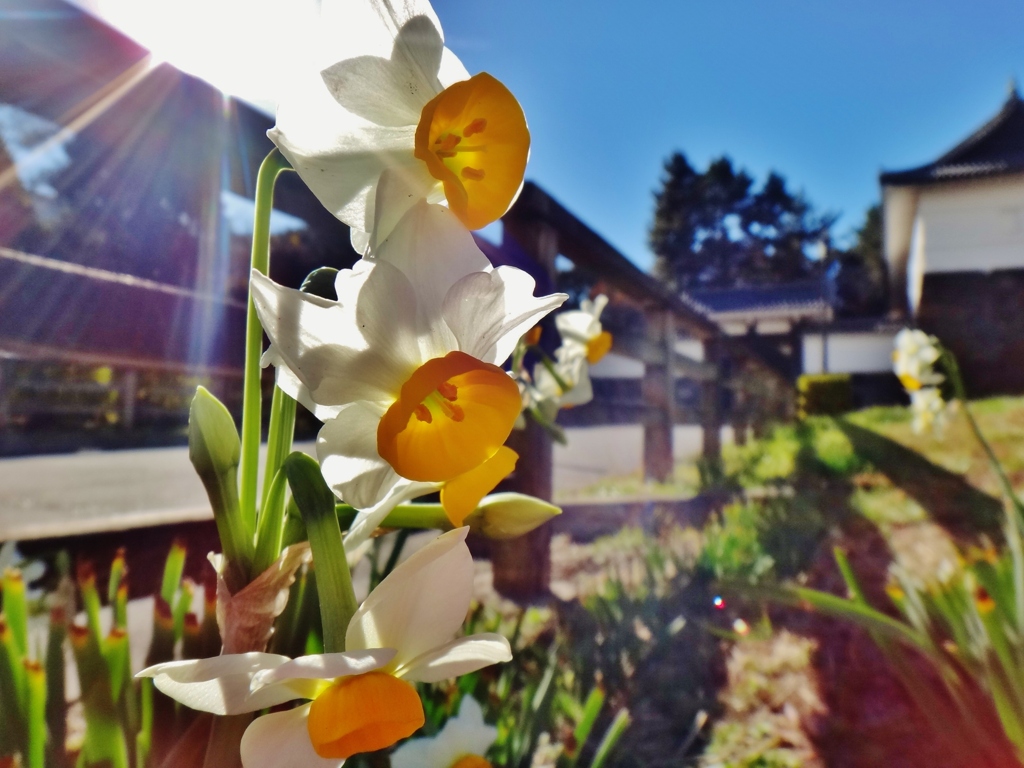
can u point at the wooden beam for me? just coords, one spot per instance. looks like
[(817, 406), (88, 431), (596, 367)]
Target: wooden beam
[(651, 352), (586, 248)]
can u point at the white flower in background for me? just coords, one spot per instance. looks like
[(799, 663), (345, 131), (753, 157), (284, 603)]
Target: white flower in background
[(928, 410), (914, 356), (569, 385), (397, 120), (403, 367), (581, 330), (584, 343), (362, 699), (462, 742)]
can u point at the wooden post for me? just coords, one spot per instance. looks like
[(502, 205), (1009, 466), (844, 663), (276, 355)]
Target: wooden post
[(711, 407), (658, 392), (5, 396), (522, 567), (129, 392)]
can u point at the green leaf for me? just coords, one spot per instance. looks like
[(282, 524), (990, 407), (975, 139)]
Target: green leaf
[(316, 502), (611, 737), (214, 449)]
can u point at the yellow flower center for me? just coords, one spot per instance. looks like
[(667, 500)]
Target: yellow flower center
[(909, 382), (471, 761), (452, 415), (474, 140), (598, 347), (363, 713), (460, 496)]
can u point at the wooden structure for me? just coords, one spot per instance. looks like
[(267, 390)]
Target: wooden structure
[(649, 324), (954, 244)]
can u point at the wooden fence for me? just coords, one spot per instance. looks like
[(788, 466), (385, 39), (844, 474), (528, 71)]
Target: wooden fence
[(729, 382)]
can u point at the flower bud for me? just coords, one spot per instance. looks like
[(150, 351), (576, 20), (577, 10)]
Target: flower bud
[(509, 515)]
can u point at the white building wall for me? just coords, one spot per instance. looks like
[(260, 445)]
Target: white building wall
[(976, 226), (865, 352)]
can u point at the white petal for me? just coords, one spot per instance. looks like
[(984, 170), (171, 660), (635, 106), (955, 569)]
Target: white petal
[(347, 450), (398, 190), (340, 156), (281, 740), (221, 684), (368, 520), (421, 605), (583, 391), (465, 734), (324, 666), (432, 248), (578, 326), (361, 347), (371, 27), (453, 71), (393, 90), (459, 657), (292, 386), (488, 312)]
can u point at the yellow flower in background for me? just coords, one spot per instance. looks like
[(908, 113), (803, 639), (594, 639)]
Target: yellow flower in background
[(362, 699), (462, 743), (403, 366), (397, 120)]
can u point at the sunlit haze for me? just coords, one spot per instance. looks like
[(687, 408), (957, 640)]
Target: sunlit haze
[(827, 94)]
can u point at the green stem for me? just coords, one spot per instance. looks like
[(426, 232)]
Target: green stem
[(960, 392), (316, 502), (279, 439), (550, 365), (416, 516), (270, 169)]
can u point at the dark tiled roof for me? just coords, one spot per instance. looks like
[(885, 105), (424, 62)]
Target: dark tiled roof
[(803, 297), (995, 149)]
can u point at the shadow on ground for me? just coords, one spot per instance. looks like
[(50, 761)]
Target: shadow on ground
[(949, 499), (871, 720)]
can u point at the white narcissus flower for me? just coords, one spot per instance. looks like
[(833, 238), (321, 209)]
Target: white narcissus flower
[(403, 366), (581, 330), (397, 120), (928, 409), (362, 699), (584, 343), (462, 742), (913, 357)]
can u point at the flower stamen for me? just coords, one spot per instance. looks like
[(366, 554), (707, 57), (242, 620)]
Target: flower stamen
[(479, 125), (454, 115), (457, 437)]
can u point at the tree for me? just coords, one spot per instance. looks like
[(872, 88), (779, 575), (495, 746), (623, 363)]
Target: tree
[(859, 277), (713, 229)]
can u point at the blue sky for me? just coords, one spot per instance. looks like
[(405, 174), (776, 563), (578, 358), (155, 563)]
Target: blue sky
[(827, 93)]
